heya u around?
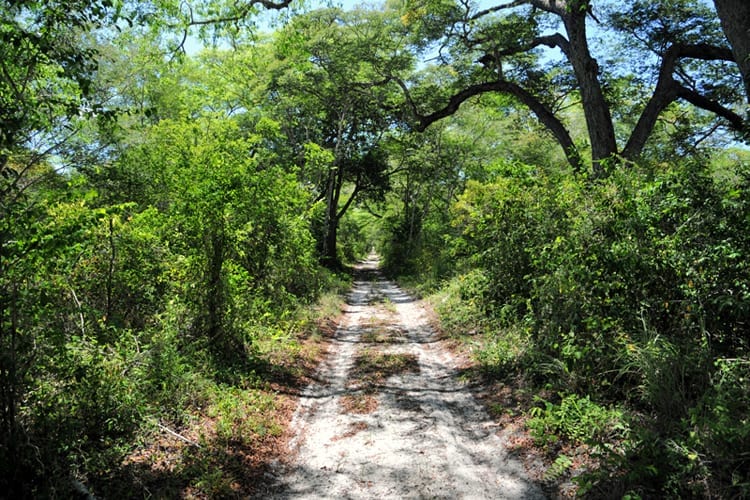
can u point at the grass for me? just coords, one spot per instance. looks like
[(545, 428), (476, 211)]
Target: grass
[(383, 335), (358, 404), (372, 367)]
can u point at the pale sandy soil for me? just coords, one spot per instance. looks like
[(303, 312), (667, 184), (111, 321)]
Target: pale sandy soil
[(416, 432)]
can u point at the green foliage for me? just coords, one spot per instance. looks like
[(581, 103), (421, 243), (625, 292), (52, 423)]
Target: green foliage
[(629, 291), (560, 465), (459, 304), (86, 402), (118, 312), (48, 69), (242, 414), (328, 79), (153, 267), (238, 225), (505, 350), (721, 425), (355, 240), (577, 419), (497, 227)]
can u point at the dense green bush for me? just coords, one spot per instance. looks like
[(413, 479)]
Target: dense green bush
[(118, 313), (628, 289)]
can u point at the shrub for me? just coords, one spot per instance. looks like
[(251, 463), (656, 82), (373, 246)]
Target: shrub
[(632, 288), (576, 418), (460, 304), (720, 427)]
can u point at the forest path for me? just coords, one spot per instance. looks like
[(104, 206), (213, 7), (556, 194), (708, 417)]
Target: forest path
[(388, 417)]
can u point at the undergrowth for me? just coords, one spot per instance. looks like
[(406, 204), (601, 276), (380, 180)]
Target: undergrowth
[(215, 422), (624, 303)]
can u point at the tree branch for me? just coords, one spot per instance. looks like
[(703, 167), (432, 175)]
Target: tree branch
[(241, 12), (703, 102), (552, 41), (177, 435), (668, 90), (497, 8), (357, 189), (702, 51), (542, 111), (554, 6), (372, 212)]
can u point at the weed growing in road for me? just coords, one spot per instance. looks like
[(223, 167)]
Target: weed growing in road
[(358, 404), (373, 367), (383, 335)]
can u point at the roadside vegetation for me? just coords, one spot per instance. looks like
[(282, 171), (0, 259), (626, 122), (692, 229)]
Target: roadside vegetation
[(620, 305), (183, 183)]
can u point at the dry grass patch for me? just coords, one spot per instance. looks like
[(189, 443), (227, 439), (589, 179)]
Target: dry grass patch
[(372, 367), (358, 404), (217, 456), (383, 301), (376, 321), (384, 335)]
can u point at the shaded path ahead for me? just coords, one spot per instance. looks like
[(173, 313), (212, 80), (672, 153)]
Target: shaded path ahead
[(388, 417)]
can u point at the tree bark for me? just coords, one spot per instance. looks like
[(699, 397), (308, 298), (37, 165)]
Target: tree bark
[(214, 296), (735, 21), (595, 108), (333, 192)]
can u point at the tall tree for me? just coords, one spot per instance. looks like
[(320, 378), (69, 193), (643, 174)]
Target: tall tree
[(333, 86), (46, 69), (497, 49)]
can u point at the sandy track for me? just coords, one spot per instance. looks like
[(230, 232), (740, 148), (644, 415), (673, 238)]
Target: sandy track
[(426, 437)]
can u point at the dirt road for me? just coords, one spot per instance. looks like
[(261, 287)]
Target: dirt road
[(388, 417)]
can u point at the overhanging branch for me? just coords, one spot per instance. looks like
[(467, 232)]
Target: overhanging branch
[(552, 41), (355, 192), (559, 7), (541, 110), (497, 8), (240, 12), (668, 90), (703, 102)]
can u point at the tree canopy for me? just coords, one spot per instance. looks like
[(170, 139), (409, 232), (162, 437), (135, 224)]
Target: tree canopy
[(499, 49)]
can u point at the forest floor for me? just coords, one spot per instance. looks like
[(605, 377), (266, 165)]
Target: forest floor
[(389, 414)]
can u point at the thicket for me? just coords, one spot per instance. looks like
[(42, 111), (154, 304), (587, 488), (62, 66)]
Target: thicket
[(626, 299), (144, 291), (162, 216)]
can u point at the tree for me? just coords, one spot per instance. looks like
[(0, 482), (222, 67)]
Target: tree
[(333, 87), (238, 220), (497, 50), (46, 69), (735, 21)]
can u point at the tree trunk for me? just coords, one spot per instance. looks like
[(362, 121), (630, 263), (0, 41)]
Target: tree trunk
[(735, 21), (214, 287), (333, 190), (330, 255), (595, 108)]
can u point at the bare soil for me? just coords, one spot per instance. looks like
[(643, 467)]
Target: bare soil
[(389, 417)]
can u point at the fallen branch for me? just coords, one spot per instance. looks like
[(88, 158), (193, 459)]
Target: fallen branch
[(178, 435)]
